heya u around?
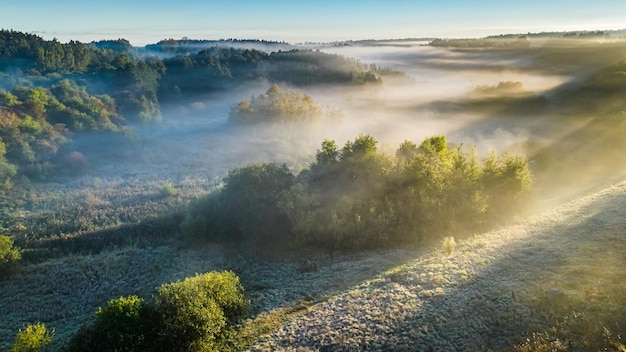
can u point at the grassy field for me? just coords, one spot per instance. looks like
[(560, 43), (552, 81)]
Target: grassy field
[(552, 282)]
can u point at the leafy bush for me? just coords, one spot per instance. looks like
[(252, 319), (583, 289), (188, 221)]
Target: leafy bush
[(74, 163), (189, 315), (195, 312), (32, 338), (168, 190), (9, 254), (125, 324)]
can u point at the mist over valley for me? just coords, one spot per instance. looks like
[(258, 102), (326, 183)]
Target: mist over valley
[(234, 194)]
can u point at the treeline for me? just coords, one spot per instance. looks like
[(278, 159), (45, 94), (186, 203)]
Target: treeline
[(185, 46), (50, 91), (218, 67), (508, 42), (601, 94), (211, 67), (355, 197), (609, 83)]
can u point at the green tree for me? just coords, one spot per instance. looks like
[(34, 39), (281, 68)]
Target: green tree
[(506, 180), (7, 99), (406, 151), (436, 145), (328, 154), (356, 197), (324, 172), (302, 208), (363, 170), (34, 99), (465, 203)]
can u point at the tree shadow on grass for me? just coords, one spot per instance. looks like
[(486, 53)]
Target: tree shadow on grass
[(511, 297), (151, 232), (491, 294)]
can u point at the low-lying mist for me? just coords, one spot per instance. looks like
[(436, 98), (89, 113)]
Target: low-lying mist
[(197, 139)]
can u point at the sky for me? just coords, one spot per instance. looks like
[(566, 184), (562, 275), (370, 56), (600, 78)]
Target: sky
[(148, 21)]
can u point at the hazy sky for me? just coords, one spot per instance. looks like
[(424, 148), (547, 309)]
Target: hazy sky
[(148, 21)]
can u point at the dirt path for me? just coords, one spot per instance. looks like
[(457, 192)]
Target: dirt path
[(479, 298)]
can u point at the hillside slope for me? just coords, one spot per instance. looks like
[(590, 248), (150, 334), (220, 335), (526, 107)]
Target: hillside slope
[(559, 272)]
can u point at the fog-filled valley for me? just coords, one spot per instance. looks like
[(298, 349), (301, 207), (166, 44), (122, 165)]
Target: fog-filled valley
[(282, 183)]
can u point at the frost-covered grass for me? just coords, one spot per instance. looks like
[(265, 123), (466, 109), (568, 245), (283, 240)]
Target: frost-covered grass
[(492, 293), (64, 293)]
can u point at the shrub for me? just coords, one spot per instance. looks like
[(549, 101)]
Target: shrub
[(191, 322), (449, 244), (32, 338), (9, 254), (125, 324), (168, 190), (189, 315), (195, 312), (542, 342)]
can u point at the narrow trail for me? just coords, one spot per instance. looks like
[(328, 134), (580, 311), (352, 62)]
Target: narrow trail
[(479, 297)]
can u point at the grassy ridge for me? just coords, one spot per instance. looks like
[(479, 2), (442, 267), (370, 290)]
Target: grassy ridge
[(492, 293)]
